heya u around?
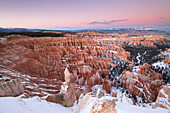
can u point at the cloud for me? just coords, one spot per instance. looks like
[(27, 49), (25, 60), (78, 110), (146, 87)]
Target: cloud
[(108, 22)]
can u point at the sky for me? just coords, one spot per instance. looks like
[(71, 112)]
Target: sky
[(84, 13)]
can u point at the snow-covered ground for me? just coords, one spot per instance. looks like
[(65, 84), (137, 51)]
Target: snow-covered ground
[(31, 105), (160, 64), (123, 105), (127, 108), (37, 105)]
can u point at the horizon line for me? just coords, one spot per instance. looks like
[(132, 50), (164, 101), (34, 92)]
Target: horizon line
[(154, 27)]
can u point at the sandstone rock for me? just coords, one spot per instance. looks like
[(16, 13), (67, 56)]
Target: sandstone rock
[(65, 97), (163, 99), (48, 58), (11, 88), (96, 78), (93, 80), (114, 93), (89, 82), (81, 81), (106, 106), (74, 77), (78, 93), (95, 105), (144, 83), (113, 83), (67, 75), (2, 81), (107, 85)]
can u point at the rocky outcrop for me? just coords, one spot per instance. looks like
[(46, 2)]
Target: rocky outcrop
[(43, 60), (65, 97), (163, 99), (144, 83), (95, 105), (107, 85), (106, 106), (78, 93), (67, 75), (94, 80), (114, 93), (11, 88)]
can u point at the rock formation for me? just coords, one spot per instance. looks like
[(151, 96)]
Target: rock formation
[(106, 106), (65, 97), (85, 59), (11, 88), (107, 85), (95, 105), (163, 99), (67, 75), (78, 93), (145, 83)]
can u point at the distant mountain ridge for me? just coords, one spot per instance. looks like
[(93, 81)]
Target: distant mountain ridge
[(18, 29), (130, 31)]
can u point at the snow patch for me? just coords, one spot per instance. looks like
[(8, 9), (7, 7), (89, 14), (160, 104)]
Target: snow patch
[(64, 87)]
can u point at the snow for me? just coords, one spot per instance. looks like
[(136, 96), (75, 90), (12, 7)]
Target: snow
[(31, 105), (4, 77), (125, 100), (8, 71), (30, 87), (123, 105), (38, 105), (113, 51), (138, 58), (127, 108), (164, 99), (85, 104), (43, 89), (135, 69), (160, 64), (64, 87), (98, 92), (96, 87)]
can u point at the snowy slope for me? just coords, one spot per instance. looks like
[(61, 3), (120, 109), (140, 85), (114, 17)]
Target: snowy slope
[(31, 105), (127, 108), (123, 105), (37, 105)]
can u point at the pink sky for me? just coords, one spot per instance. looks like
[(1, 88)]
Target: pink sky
[(80, 13)]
